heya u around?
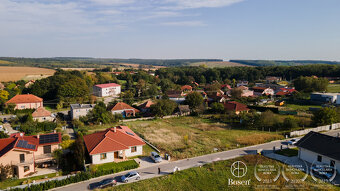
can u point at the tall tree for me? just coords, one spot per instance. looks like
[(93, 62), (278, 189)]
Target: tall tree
[(194, 100)]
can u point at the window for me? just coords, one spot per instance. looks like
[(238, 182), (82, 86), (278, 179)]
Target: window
[(319, 158), (102, 156), (47, 149), (26, 168), (133, 149), (22, 158), (22, 107)]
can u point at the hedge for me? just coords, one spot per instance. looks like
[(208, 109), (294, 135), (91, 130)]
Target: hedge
[(82, 176)]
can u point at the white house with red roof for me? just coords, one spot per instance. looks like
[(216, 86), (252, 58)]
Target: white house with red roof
[(124, 109), (104, 90), (41, 114), (113, 144), (25, 153), (26, 101)]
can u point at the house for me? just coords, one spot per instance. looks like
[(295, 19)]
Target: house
[(2, 86), (242, 83), (272, 79), (259, 91), (124, 109), (79, 110), (183, 109), (236, 107), (113, 145), (320, 148), (176, 96), (41, 115), (26, 153), (226, 87), (103, 90), (145, 107), (186, 89), (324, 97), (29, 83), (26, 101)]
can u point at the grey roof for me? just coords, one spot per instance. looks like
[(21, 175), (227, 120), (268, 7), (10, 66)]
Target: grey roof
[(322, 144), (82, 106)]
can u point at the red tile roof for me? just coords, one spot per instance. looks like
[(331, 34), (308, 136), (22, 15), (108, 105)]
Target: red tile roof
[(123, 106), (25, 98), (10, 143), (109, 140), (107, 85), (41, 112), (146, 104), (235, 106), (186, 87)]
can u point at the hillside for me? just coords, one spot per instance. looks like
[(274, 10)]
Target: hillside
[(283, 62), (217, 64)]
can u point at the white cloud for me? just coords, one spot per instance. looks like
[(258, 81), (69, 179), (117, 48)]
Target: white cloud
[(192, 4), (113, 2)]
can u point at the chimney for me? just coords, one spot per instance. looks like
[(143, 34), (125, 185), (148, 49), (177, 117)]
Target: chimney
[(114, 129)]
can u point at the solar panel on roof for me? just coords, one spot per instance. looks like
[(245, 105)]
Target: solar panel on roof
[(50, 138), (24, 144)]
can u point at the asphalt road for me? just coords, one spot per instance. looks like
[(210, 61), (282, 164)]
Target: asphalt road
[(152, 171)]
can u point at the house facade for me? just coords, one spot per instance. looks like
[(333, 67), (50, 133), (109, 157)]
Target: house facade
[(319, 148), (41, 115), (124, 109), (113, 145), (79, 110), (104, 90), (26, 153), (26, 101), (236, 107)]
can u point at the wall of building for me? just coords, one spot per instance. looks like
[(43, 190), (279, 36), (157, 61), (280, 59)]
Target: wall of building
[(109, 158), (76, 113), (139, 151), (311, 157), (13, 158), (28, 105), (42, 119), (40, 150), (109, 91)]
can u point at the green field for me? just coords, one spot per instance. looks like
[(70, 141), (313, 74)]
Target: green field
[(216, 176), (184, 137), (301, 107), (333, 88)]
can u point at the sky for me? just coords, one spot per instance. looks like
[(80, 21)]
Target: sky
[(170, 29)]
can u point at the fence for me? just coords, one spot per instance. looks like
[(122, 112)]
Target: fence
[(316, 129)]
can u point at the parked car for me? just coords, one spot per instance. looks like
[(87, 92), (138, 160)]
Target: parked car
[(155, 157), (293, 141), (103, 184), (130, 176)]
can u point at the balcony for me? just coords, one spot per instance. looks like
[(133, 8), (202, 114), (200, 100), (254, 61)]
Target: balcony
[(43, 158)]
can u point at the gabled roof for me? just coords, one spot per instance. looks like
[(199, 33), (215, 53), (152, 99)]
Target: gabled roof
[(82, 106), (41, 112), (107, 85), (112, 140), (28, 143), (146, 104), (235, 106), (186, 87), (123, 106), (322, 144), (174, 93), (25, 98)]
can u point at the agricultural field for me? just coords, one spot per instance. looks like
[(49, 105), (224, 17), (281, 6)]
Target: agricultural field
[(333, 88), (184, 137), (23, 73), (215, 177), (217, 64)]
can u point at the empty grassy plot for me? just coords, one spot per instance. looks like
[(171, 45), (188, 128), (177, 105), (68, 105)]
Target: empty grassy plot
[(193, 136), (333, 88), (26, 73)]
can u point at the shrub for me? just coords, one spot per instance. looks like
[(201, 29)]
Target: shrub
[(66, 137)]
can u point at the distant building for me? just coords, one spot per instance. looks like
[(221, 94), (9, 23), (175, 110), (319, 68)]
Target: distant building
[(186, 88), (2, 86), (145, 107), (272, 79), (79, 110), (242, 83), (124, 109), (41, 115), (236, 107), (258, 91), (324, 97), (104, 90), (26, 101), (28, 84), (176, 96)]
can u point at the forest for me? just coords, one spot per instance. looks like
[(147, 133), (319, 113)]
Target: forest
[(282, 62)]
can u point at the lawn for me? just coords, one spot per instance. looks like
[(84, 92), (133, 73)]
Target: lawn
[(193, 136), (15, 182), (115, 165), (301, 107), (288, 152), (333, 88), (216, 176)]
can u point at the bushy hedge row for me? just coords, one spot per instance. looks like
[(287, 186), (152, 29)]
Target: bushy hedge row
[(80, 177)]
